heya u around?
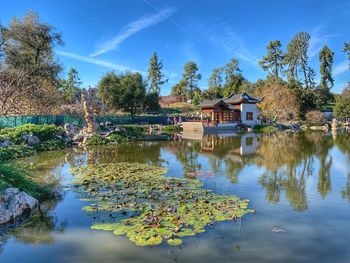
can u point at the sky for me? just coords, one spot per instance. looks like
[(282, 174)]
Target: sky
[(106, 35)]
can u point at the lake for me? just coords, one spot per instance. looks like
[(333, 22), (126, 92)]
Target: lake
[(298, 184)]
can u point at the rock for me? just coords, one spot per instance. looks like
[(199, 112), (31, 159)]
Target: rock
[(6, 143), (318, 128), (71, 130), (31, 139), (120, 129), (14, 203)]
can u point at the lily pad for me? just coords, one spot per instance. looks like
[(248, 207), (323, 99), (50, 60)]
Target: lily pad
[(138, 201)]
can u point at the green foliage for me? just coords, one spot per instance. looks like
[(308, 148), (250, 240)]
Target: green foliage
[(326, 57), (152, 102), (233, 78), (135, 130), (264, 129), (342, 105), (179, 90), (155, 76), (97, 140), (296, 59), (190, 78), (15, 151), (49, 145), (70, 88), (273, 61), (12, 175), (118, 138), (171, 129), (156, 208), (196, 99), (347, 50), (43, 132), (125, 92)]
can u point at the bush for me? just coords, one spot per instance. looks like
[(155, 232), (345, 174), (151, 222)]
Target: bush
[(171, 129), (117, 138), (135, 130), (54, 144), (97, 140), (43, 132), (314, 116), (264, 129), (12, 175), (16, 151)]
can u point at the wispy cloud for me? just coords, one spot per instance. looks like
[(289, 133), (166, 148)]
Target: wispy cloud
[(165, 15), (319, 38), (234, 44), (341, 68), (102, 63), (131, 29)]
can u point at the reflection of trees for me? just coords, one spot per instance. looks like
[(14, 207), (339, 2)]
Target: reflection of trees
[(40, 228), (289, 159), (142, 152), (346, 190), (187, 154)]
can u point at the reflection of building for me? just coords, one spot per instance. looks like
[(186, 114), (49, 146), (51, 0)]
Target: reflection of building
[(228, 144)]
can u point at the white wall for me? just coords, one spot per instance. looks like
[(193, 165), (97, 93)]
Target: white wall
[(249, 108)]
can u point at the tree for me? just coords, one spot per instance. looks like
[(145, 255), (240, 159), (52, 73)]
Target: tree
[(280, 102), (215, 88), (233, 77), (347, 50), (296, 59), (326, 63), (342, 105), (190, 78), (305, 96), (126, 92), (273, 61), (155, 76), (179, 90), (108, 89), (133, 92), (70, 88), (196, 99), (29, 43), (27, 46), (152, 102)]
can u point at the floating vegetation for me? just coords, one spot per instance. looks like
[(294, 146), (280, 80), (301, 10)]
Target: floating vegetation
[(138, 201)]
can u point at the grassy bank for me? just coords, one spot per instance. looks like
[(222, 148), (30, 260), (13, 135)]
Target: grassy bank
[(14, 175)]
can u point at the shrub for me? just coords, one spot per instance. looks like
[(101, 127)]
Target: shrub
[(12, 175), (54, 144), (97, 140), (15, 151), (264, 129), (314, 116), (43, 132), (118, 138), (135, 130), (171, 129)]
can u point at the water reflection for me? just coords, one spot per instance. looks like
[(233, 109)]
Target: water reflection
[(288, 159)]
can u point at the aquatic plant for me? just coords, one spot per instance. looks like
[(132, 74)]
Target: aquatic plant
[(138, 201)]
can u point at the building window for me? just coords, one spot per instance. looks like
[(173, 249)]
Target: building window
[(249, 116)]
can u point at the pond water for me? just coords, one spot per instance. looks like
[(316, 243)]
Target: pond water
[(297, 183)]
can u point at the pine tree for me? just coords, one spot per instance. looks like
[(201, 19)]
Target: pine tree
[(347, 50), (191, 78), (326, 59), (296, 59), (155, 76), (273, 61)]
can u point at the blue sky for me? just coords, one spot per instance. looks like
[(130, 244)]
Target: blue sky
[(103, 35)]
